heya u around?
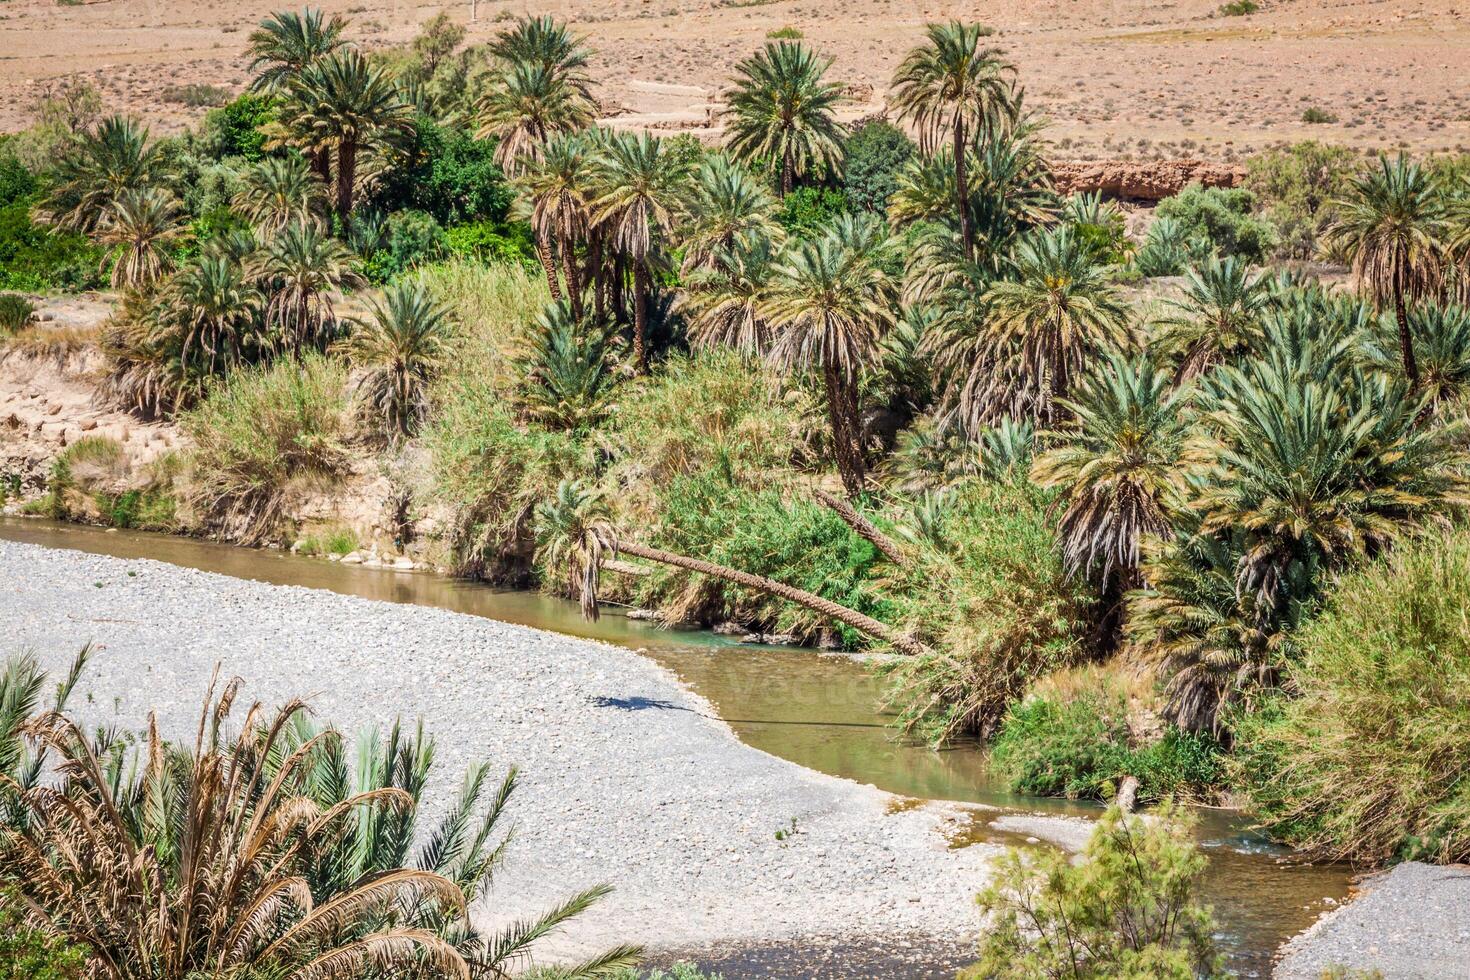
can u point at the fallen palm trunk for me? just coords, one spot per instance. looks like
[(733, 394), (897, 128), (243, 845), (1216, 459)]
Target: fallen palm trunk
[(865, 528), (848, 617)]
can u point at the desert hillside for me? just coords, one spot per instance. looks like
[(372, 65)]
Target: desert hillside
[(1127, 78)]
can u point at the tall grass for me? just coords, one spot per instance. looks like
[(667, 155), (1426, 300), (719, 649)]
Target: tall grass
[(1368, 760), (258, 432), (494, 307)]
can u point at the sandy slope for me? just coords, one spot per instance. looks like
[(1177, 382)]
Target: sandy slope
[(1127, 77)]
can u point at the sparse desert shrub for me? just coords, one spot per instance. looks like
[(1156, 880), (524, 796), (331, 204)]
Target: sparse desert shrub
[(987, 588), (1127, 910), (1074, 736), (1314, 115), (258, 431), (1239, 8), (195, 95), (1221, 221), (1365, 761), (15, 313), (787, 33)]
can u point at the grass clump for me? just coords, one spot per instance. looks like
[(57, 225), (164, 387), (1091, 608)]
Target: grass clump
[(330, 541), (1367, 761), (258, 432), (1127, 910), (1315, 115), (1075, 736), (787, 33), (15, 313)]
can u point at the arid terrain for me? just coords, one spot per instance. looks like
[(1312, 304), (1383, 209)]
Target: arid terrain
[(1127, 78)]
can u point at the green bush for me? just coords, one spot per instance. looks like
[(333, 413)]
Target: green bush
[(875, 155), (1127, 910), (808, 211), (1239, 8), (27, 953), (679, 971), (449, 174), (1366, 761), (233, 130), (1295, 187), (492, 242), (37, 259), (1221, 220), (414, 238), (15, 313), (1165, 250), (258, 431), (1075, 740), (17, 183)]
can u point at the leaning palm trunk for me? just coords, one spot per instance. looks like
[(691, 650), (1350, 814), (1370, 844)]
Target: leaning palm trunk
[(548, 265), (865, 528), (847, 444), (825, 607)]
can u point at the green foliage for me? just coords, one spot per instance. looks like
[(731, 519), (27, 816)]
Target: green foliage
[(1127, 910), (335, 541), (413, 238), (1239, 8), (1365, 760), (492, 242), (679, 971), (233, 130), (28, 953), (809, 211), (988, 589), (1075, 740), (1314, 115), (36, 258), (449, 174), (876, 153), (785, 34), (256, 433), (569, 369), (17, 183), (1221, 221), (1295, 187), (15, 313)]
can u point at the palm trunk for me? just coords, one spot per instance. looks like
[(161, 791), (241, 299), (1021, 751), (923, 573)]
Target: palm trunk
[(1406, 341), (788, 173), (599, 275), (825, 607), (640, 317), (865, 528), (615, 294), (962, 190), (321, 165), (548, 264), (842, 410), (346, 176), (569, 269)]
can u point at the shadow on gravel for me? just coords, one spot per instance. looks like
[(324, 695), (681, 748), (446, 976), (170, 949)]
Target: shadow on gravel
[(638, 704)]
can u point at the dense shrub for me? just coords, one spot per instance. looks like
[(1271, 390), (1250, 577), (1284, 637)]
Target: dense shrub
[(233, 130), (1366, 760), (1220, 220), (27, 953), (1127, 910), (449, 174), (809, 210), (17, 183), (413, 238), (1295, 187), (259, 431), (987, 587), (491, 242), (15, 313), (1075, 739), (875, 154), (36, 258)]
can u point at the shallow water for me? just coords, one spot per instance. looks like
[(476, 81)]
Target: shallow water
[(818, 711)]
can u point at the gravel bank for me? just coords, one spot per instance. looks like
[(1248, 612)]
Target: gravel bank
[(627, 776), (1409, 923)]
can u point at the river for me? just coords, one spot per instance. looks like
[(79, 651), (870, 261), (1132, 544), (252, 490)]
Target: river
[(819, 711)]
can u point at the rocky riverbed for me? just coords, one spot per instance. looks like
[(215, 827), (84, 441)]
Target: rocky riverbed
[(628, 777)]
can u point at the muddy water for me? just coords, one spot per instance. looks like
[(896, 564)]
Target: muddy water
[(818, 711)]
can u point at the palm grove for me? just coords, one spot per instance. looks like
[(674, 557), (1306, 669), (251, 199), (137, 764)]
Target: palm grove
[(892, 392)]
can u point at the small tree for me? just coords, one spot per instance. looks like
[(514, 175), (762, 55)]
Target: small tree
[(1128, 910)]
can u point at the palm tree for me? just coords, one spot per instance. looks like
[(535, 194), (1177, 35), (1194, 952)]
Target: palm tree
[(525, 106), (640, 188), (343, 101), (568, 369), (400, 350), (1059, 313), (781, 110), (95, 171), (302, 264), (557, 187), (217, 310), (728, 202), (576, 538), (829, 305), (189, 864), (1442, 347), (727, 298), (286, 44), (952, 84), (1218, 317), (137, 234), (543, 42), (280, 191), (1388, 226)]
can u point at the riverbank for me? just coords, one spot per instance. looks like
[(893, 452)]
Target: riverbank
[(627, 776)]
